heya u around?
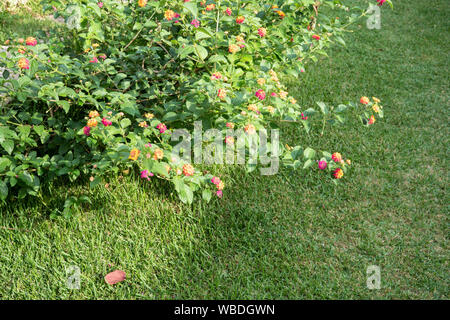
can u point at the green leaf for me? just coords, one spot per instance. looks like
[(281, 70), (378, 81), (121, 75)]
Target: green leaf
[(4, 163), (160, 168), (340, 40), (5, 74), (27, 178), (125, 122), (65, 105), (40, 130), (202, 33), (323, 107), (340, 108), (24, 130), (150, 23), (206, 195), (296, 152), (309, 112), (3, 190), (326, 154), (8, 145), (191, 7), (137, 26), (170, 116), (309, 153), (189, 194), (201, 51), (94, 7), (308, 163), (218, 58)]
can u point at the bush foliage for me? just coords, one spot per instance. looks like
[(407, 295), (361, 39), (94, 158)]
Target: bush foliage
[(104, 93)]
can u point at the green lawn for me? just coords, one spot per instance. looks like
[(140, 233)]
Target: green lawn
[(289, 236), (26, 20)]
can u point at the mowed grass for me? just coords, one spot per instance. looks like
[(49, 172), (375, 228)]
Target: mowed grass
[(288, 236), (22, 21)]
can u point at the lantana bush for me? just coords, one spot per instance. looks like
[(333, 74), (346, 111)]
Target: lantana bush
[(105, 92)]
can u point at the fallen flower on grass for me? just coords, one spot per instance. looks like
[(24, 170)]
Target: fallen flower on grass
[(115, 277)]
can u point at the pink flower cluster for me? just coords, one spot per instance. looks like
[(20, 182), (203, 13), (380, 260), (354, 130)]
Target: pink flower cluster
[(106, 122), (195, 23), (322, 165), (87, 130), (219, 185), (162, 127), (146, 175), (260, 94)]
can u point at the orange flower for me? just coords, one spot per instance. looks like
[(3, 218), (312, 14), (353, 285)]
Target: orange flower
[(281, 14), (337, 157), (210, 7), (229, 140), (23, 63), (283, 94), (372, 119), (376, 100), (169, 14), (250, 129), (21, 49), (230, 125), (240, 19), (262, 32), (233, 48), (338, 173), (134, 154), (158, 154), (240, 39), (149, 115), (273, 76), (348, 162), (143, 124), (270, 109), (252, 107), (315, 36), (188, 170), (142, 3), (216, 76), (220, 185), (92, 123), (222, 94), (364, 100), (31, 41), (94, 114), (261, 81)]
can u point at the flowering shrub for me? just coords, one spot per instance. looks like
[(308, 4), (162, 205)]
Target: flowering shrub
[(105, 94)]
